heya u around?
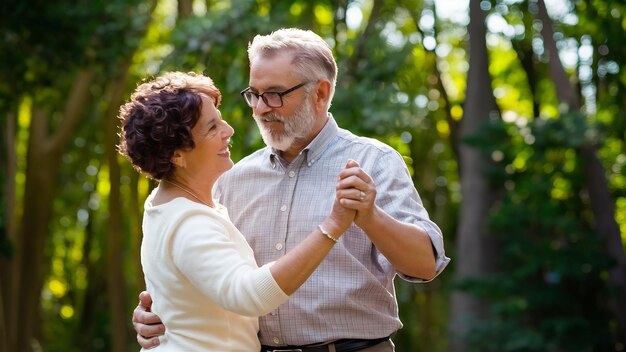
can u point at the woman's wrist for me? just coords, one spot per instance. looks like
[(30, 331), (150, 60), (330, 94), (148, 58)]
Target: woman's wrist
[(330, 227), (327, 234)]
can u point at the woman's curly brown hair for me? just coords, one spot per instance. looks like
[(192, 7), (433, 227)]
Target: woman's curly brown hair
[(158, 120)]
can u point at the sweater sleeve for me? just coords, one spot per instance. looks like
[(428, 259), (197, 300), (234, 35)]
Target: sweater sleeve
[(217, 261)]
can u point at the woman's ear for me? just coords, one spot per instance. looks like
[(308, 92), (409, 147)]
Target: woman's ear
[(178, 159)]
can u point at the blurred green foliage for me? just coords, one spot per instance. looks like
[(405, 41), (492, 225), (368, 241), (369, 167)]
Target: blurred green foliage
[(550, 291), (402, 72)]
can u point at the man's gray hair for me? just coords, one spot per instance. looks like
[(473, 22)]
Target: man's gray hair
[(312, 56)]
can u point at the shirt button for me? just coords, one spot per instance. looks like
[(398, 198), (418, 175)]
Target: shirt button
[(279, 246), (276, 340), (292, 173), (283, 208), (273, 312)]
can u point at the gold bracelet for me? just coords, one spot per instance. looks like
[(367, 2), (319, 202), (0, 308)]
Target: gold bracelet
[(325, 233)]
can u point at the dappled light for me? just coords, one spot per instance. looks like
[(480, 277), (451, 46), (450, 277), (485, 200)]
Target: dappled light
[(511, 125)]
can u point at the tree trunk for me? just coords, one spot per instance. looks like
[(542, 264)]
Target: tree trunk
[(565, 93), (340, 9), (136, 206), (360, 49), (116, 285), (43, 158), (185, 9), (595, 180), (7, 226), (83, 332), (475, 250), (453, 125), (524, 51), (37, 199)]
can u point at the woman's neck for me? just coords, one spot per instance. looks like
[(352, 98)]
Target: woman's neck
[(190, 192)]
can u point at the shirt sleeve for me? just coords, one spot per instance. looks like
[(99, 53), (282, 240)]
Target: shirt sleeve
[(396, 194), (215, 263)]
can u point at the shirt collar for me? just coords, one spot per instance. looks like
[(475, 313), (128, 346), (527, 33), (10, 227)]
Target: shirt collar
[(314, 150)]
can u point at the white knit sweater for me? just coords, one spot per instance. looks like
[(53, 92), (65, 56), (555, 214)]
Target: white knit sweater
[(205, 284)]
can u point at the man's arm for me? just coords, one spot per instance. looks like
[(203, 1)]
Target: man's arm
[(407, 246), (147, 324)]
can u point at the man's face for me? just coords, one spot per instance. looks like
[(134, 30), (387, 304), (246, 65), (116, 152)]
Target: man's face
[(290, 129), (283, 126)]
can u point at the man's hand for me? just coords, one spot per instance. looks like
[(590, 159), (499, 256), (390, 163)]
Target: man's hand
[(356, 190), (147, 324)]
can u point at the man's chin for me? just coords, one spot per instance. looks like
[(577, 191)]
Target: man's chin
[(278, 144)]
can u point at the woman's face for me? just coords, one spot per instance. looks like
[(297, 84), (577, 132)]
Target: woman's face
[(211, 135)]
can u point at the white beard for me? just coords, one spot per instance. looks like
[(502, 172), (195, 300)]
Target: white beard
[(297, 127)]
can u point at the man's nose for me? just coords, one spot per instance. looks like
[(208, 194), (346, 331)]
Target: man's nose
[(260, 107)]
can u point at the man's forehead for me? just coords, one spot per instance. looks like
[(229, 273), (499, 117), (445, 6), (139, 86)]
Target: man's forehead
[(282, 60), (269, 72)]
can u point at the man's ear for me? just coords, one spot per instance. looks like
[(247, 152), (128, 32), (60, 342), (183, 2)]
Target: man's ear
[(322, 94), (178, 159)]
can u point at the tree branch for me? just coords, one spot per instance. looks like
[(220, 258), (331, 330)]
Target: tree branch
[(78, 98), (359, 48)]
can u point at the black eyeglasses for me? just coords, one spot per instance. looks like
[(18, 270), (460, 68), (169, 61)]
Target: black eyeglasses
[(271, 99)]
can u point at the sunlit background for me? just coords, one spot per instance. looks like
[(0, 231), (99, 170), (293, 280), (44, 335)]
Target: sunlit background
[(516, 148)]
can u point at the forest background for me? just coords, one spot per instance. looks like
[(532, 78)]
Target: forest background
[(509, 114)]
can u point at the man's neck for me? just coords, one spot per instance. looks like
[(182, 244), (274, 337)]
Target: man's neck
[(290, 154)]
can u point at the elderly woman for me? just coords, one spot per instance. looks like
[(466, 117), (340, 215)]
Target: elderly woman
[(199, 269)]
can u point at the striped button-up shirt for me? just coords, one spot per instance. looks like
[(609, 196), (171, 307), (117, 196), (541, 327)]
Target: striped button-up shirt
[(276, 204)]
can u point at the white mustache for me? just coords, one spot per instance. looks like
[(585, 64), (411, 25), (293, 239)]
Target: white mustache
[(271, 117)]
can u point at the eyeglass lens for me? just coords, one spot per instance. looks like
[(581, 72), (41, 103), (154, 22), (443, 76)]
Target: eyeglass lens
[(270, 99)]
